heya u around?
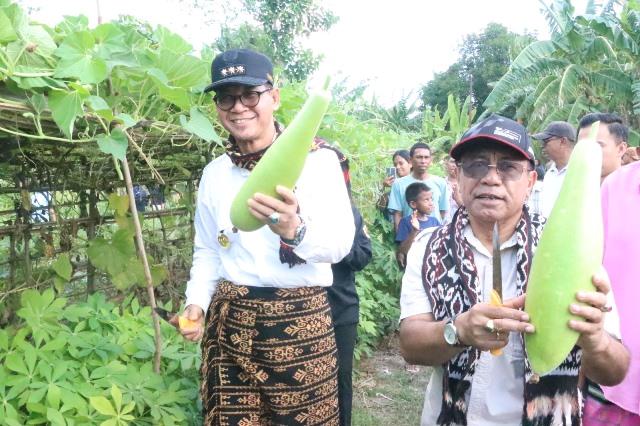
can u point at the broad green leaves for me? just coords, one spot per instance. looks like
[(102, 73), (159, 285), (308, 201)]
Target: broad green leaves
[(78, 59), (7, 32), (200, 126), (115, 144), (87, 376), (66, 107)]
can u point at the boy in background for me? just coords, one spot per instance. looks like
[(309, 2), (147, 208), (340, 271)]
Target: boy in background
[(420, 199)]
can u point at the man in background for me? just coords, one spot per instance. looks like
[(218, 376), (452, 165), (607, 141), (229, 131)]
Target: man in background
[(558, 140), (612, 136), (420, 162)]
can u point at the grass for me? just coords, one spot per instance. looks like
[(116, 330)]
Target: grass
[(385, 393)]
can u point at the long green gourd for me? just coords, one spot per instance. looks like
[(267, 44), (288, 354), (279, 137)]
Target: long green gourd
[(283, 162), (569, 253)]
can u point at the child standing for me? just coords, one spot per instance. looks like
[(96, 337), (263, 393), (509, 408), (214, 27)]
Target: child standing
[(420, 199)]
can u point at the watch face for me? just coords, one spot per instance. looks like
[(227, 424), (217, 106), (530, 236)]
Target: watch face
[(450, 335)]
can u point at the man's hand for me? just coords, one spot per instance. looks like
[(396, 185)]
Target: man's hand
[(473, 327), (261, 206), (591, 310), (193, 313)]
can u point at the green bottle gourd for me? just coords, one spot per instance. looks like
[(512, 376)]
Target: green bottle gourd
[(569, 253), (283, 162)]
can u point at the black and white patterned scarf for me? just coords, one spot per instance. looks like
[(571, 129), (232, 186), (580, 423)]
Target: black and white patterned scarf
[(450, 279)]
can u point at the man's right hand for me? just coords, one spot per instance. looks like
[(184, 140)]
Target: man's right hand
[(472, 325), (193, 313)]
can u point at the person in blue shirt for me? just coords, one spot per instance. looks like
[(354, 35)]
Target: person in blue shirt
[(420, 163), (420, 198)]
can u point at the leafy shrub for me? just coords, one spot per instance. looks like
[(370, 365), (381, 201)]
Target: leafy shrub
[(91, 363)]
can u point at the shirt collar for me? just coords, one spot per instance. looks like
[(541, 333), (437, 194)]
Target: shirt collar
[(467, 232)]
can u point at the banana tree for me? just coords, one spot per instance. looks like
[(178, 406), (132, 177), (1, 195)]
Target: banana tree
[(589, 64)]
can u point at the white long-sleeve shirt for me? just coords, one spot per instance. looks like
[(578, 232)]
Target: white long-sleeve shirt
[(252, 258)]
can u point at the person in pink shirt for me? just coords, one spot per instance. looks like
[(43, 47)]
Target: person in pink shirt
[(620, 208)]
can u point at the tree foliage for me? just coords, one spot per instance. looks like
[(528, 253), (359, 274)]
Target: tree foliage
[(589, 64), (483, 59), (276, 28)]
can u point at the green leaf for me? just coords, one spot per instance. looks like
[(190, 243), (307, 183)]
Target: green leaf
[(14, 362), (77, 59), (120, 203), (172, 41), (116, 394), (55, 417), (7, 32), (53, 396), (159, 273), (115, 144), (126, 120), (100, 107), (38, 102), (200, 126), (65, 108), (176, 95), (102, 405), (62, 266)]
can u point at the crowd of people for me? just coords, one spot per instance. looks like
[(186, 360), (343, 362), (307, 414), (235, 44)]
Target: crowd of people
[(277, 308)]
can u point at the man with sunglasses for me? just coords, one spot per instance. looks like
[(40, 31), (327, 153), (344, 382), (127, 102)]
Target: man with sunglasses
[(448, 322), (268, 347), (558, 140)]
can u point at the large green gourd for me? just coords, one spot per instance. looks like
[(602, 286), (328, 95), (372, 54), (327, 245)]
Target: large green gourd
[(569, 253), (283, 162)]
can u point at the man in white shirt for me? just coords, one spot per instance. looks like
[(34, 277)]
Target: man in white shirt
[(448, 322), (558, 140), (269, 353)]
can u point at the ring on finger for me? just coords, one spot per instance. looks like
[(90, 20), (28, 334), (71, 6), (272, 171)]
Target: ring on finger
[(497, 334), (606, 308), (274, 218), (490, 326)]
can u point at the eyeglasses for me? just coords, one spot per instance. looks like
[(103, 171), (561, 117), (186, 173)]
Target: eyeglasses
[(507, 169), (546, 141), (249, 99)]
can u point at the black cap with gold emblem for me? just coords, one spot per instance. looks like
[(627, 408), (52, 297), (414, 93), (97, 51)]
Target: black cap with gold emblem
[(240, 66)]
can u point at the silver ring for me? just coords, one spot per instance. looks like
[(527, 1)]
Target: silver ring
[(497, 334), (606, 309), (274, 218), (490, 326)]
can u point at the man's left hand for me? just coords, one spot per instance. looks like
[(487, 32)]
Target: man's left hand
[(262, 206), (593, 337)]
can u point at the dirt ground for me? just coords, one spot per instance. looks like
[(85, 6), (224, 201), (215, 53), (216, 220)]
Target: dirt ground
[(384, 392)]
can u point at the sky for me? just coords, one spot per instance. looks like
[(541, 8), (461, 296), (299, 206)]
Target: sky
[(395, 46)]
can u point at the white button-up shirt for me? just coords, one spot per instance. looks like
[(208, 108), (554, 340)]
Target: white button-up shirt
[(497, 388), (252, 258), (552, 183)]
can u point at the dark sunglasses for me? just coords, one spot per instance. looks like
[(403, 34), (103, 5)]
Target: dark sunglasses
[(250, 98), (507, 169)]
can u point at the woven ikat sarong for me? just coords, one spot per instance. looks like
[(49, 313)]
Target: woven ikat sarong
[(269, 357)]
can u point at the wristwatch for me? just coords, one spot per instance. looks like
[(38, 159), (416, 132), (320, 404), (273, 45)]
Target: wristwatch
[(451, 334), (301, 229)]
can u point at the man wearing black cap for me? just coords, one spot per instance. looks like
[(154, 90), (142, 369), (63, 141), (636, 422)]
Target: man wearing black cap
[(268, 348), (558, 140), (448, 322)]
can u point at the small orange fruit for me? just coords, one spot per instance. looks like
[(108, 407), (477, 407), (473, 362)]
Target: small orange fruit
[(186, 323)]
